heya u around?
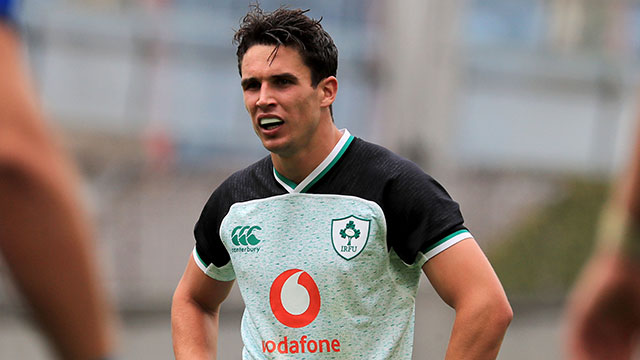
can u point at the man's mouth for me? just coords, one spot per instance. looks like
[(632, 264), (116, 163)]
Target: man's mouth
[(270, 123)]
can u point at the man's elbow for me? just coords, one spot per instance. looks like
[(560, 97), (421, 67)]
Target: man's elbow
[(500, 312), (505, 315), (183, 300), (489, 310)]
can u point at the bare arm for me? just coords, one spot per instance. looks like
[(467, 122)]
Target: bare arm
[(194, 313), (45, 236), (603, 312), (627, 196), (465, 280)]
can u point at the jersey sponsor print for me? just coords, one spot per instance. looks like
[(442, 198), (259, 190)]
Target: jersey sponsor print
[(295, 298), (295, 301), (244, 239)]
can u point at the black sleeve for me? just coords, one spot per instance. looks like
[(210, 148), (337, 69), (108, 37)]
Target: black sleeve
[(253, 182), (207, 230), (419, 212)]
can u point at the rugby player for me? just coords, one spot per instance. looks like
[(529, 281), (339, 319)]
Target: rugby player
[(327, 236)]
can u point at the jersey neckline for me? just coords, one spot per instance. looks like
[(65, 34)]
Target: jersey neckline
[(320, 170)]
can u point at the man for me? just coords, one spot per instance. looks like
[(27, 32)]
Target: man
[(328, 235), (604, 308), (44, 233)]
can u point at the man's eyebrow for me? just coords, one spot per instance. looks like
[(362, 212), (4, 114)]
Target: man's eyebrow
[(247, 81), (285, 76)]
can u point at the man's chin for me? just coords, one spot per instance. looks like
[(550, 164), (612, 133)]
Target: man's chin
[(276, 147), (272, 146)]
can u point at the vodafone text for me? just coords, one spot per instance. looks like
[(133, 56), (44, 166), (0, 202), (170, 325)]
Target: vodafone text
[(287, 346)]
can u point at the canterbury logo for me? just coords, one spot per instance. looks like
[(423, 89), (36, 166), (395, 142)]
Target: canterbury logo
[(240, 235), (294, 298)]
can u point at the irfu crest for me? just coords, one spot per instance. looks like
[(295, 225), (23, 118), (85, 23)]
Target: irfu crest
[(349, 236)]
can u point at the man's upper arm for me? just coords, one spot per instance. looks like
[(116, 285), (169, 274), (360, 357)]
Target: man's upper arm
[(198, 287), (462, 273)]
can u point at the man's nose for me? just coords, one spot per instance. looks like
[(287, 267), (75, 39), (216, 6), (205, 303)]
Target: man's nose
[(265, 98)]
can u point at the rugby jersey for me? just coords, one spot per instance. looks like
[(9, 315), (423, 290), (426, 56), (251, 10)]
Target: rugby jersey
[(328, 268)]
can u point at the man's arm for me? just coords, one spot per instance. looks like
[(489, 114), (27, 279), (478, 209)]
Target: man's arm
[(194, 313), (45, 235), (465, 280), (603, 311)]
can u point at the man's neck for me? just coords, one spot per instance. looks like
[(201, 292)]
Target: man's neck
[(298, 166)]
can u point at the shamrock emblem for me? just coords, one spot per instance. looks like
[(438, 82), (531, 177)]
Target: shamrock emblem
[(350, 232)]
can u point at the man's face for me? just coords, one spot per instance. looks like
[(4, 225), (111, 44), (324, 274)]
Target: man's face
[(284, 108)]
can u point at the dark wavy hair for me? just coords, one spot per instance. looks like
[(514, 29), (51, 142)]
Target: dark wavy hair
[(289, 27)]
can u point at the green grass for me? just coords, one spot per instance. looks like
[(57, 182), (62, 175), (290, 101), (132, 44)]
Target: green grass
[(542, 256)]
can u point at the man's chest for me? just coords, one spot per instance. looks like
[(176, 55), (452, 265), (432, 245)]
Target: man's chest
[(327, 236)]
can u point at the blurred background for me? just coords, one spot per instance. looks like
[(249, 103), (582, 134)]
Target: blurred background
[(523, 109)]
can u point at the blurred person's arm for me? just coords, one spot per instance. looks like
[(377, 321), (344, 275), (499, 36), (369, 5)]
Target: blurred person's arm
[(194, 313), (465, 280), (604, 307), (44, 232)]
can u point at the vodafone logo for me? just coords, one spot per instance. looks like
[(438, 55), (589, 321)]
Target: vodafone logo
[(294, 298)]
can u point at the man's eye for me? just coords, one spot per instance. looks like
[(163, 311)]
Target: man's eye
[(283, 82), (251, 86)]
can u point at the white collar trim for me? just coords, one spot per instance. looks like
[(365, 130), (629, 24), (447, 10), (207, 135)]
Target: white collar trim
[(320, 170)]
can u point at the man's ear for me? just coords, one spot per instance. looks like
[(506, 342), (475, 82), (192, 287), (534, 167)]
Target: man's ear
[(328, 90)]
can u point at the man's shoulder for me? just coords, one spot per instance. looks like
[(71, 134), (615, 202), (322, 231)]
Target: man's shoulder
[(387, 171), (245, 184), (258, 169), (382, 160), (246, 180)]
